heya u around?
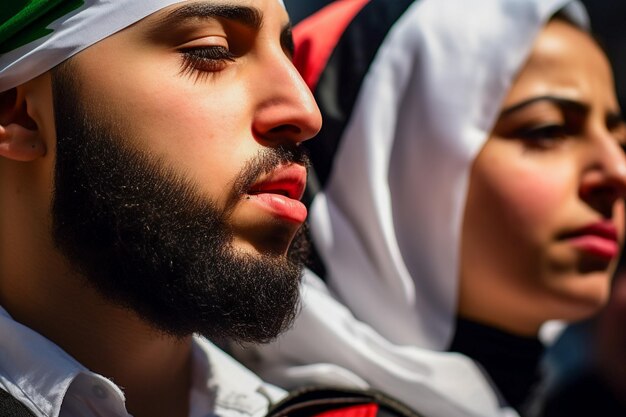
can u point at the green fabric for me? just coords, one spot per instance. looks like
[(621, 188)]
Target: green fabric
[(24, 21)]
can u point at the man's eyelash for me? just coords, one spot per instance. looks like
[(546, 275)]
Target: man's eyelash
[(205, 60)]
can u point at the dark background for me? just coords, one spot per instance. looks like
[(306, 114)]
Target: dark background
[(608, 20)]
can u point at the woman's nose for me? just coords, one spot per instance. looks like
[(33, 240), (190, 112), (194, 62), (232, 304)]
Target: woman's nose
[(604, 178)]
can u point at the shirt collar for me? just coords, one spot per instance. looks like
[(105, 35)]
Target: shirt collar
[(228, 384), (33, 369), (42, 376)]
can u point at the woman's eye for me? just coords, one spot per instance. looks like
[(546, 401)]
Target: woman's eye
[(619, 132), (205, 59), (544, 136)]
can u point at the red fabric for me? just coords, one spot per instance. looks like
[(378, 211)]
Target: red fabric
[(363, 410), (316, 37)]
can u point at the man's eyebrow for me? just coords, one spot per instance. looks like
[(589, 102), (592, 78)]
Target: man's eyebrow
[(247, 16), (561, 102)]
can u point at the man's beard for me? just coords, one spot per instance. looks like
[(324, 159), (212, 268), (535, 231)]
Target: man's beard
[(146, 239)]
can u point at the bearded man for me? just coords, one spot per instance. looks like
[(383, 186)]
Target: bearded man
[(150, 178)]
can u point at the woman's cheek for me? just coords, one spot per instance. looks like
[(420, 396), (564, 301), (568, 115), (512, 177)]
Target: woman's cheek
[(533, 198)]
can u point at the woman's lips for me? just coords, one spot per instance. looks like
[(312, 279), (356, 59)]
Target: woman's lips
[(598, 239), (280, 192)]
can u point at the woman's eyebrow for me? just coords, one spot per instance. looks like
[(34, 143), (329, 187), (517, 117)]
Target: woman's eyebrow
[(561, 102), (245, 15)]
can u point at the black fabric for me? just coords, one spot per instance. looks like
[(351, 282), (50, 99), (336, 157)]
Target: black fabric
[(300, 9), (512, 362), (311, 401), (341, 80), (577, 385), (10, 407), (584, 396)]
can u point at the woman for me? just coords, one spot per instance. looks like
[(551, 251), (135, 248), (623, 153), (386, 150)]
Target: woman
[(470, 189)]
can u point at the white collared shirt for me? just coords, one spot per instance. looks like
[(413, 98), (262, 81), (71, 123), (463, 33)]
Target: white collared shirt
[(51, 383)]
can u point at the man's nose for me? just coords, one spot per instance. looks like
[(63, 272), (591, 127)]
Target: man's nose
[(287, 111)]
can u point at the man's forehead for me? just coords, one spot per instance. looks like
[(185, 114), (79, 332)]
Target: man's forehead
[(251, 12), (37, 35)]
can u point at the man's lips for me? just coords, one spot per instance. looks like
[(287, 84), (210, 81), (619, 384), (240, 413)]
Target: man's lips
[(280, 192), (599, 239), (287, 180)]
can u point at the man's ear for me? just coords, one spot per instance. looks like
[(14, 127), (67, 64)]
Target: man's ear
[(20, 139)]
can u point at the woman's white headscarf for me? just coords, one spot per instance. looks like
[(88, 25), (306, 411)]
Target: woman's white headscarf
[(387, 220)]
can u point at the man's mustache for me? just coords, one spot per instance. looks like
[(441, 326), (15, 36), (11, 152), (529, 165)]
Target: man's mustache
[(263, 163)]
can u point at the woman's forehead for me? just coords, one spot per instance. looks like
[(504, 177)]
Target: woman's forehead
[(564, 60)]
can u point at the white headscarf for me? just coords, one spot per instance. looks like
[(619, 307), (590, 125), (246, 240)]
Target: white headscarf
[(387, 223), (69, 34)]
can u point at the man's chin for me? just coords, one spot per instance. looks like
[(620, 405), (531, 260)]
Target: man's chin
[(258, 233), (276, 245)]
